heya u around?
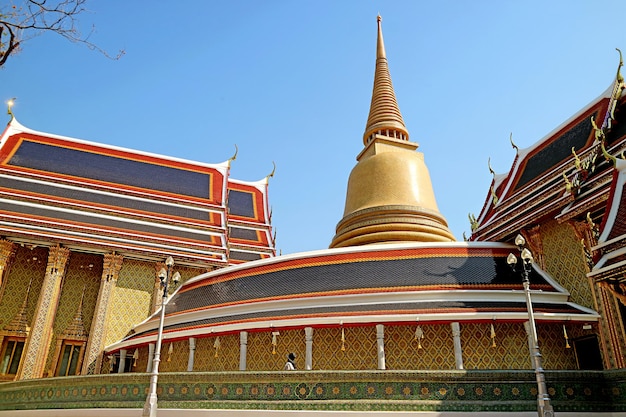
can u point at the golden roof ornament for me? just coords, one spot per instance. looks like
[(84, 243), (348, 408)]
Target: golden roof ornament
[(618, 86), (10, 104), (494, 197), (271, 174), (513, 144), (234, 157)]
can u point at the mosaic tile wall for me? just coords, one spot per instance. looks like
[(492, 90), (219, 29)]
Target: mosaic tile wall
[(265, 356), (81, 282), (130, 303), (565, 261), (435, 350), (357, 351), (510, 350), (141, 364), (227, 358), (174, 356), (553, 348), (475, 391), (28, 264)]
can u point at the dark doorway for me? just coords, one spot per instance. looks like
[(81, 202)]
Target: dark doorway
[(588, 353)]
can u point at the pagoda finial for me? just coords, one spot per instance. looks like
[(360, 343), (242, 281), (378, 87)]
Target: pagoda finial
[(384, 117), (380, 45)]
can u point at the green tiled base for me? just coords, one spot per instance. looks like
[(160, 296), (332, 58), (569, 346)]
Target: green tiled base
[(570, 391)]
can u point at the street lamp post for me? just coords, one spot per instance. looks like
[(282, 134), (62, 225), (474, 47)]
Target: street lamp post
[(544, 407), (150, 407)]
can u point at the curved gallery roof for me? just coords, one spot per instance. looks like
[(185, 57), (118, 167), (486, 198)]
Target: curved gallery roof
[(388, 284)]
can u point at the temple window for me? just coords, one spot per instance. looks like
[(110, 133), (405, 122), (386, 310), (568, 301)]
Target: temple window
[(12, 348), (70, 358)]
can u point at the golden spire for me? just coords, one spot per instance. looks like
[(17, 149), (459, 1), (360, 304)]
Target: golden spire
[(390, 197), (384, 117)]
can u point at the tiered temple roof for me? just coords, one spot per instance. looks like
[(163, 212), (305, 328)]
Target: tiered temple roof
[(565, 175), (389, 284), (55, 189)]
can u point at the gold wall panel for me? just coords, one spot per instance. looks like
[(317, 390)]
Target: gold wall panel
[(553, 347), (565, 261), (360, 351), (227, 355), (260, 350), (28, 264), (141, 364), (130, 303), (402, 350), (176, 361), (511, 350)]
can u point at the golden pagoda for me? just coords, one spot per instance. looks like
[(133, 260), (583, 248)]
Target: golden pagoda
[(390, 197)]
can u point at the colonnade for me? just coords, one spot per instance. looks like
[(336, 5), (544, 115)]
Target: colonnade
[(308, 357)]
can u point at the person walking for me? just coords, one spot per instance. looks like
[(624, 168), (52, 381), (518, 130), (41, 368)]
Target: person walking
[(291, 364)]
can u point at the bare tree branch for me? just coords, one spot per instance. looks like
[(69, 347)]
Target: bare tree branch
[(35, 17)]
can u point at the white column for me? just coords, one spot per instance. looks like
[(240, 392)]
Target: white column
[(458, 350), (380, 342), (308, 356), (122, 364), (243, 350), (150, 357), (192, 354)]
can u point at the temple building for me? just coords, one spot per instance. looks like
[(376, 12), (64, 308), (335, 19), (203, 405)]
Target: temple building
[(396, 315), (395, 290), (565, 195), (84, 230)]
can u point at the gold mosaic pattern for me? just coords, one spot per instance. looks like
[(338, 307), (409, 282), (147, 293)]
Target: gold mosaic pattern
[(130, 302), (360, 348), (511, 350), (565, 261), (553, 347), (22, 270), (227, 355), (260, 348), (141, 364), (81, 282), (174, 356), (402, 350)]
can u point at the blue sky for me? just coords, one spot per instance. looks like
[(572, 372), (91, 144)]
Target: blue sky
[(290, 82)]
